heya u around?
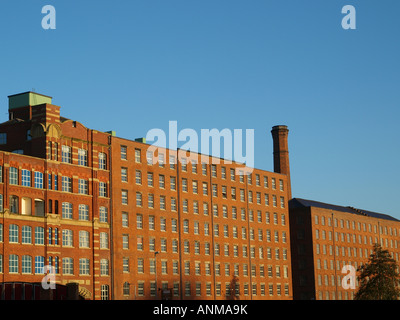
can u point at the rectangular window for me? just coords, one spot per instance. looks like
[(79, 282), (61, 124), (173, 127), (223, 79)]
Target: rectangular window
[(123, 152), (39, 235), (84, 266), (124, 174), (38, 180), (3, 138), (103, 214), (124, 197), (66, 184), (67, 238), (66, 154), (102, 189), (137, 155), (67, 210), (83, 186), (82, 157), (102, 161), (84, 212), (25, 178), (68, 266), (13, 176), (13, 233)]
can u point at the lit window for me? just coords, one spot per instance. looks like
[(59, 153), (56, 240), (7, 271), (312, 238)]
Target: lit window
[(82, 157), (66, 154)]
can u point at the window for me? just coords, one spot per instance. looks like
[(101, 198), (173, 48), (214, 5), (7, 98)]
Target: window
[(13, 233), (67, 238), (104, 291), (67, 210), (84, 266), (173, 183), (138, 177), (49, 182), (102, 189), (13, 263), (137, 155), (25, 178), (66, 184), (39, 235), (26, 234), (68, 266), (103, 240), (3, 138), (124, 197), (66, 154), (123, 153), (83, 186), (124, 174), (13, 176), (161, 181), (84, 212), (150, 179), (26, 264), (104, 272), (149, 157), (102, 161), (82, 157), (139, 199), (103, 214)]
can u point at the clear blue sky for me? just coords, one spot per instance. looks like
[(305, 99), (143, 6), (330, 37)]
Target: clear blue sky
[(131, 66)]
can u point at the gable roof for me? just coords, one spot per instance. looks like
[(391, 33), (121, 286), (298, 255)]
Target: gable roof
[(301, 203)]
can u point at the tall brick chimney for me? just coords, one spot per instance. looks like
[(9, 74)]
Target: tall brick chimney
[(281, 153)]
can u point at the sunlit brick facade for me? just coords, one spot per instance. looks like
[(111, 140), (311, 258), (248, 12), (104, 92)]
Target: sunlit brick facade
[(55, 198), (200, 229), (91, 205)]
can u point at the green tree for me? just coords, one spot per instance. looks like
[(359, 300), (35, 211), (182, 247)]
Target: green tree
[(378, 278)]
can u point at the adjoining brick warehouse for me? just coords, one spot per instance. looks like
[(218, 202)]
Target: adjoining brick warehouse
[(90, 204), (328, 241)]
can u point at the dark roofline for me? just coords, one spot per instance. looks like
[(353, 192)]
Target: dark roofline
[(298, 203), (18, 94)]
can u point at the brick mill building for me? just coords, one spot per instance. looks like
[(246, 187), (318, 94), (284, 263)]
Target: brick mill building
[(105, 215), (325, 238), (123, 221)]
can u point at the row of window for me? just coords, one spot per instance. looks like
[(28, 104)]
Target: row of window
[(66, 208), (353, 238), (230, 290), (66, 155), (24, 264), (24, 235), (161, 178), (52, 181), (341, 251), (352, 224), (185, 203), (205, 248), (206, 228), (196, 224), (273, 289), (229, 269)]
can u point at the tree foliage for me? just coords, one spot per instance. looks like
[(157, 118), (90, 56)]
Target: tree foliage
[(378, 278)]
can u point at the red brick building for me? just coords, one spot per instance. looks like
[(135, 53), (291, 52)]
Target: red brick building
[(197, 228), (55, 198), (91, 205), (326, 238)]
